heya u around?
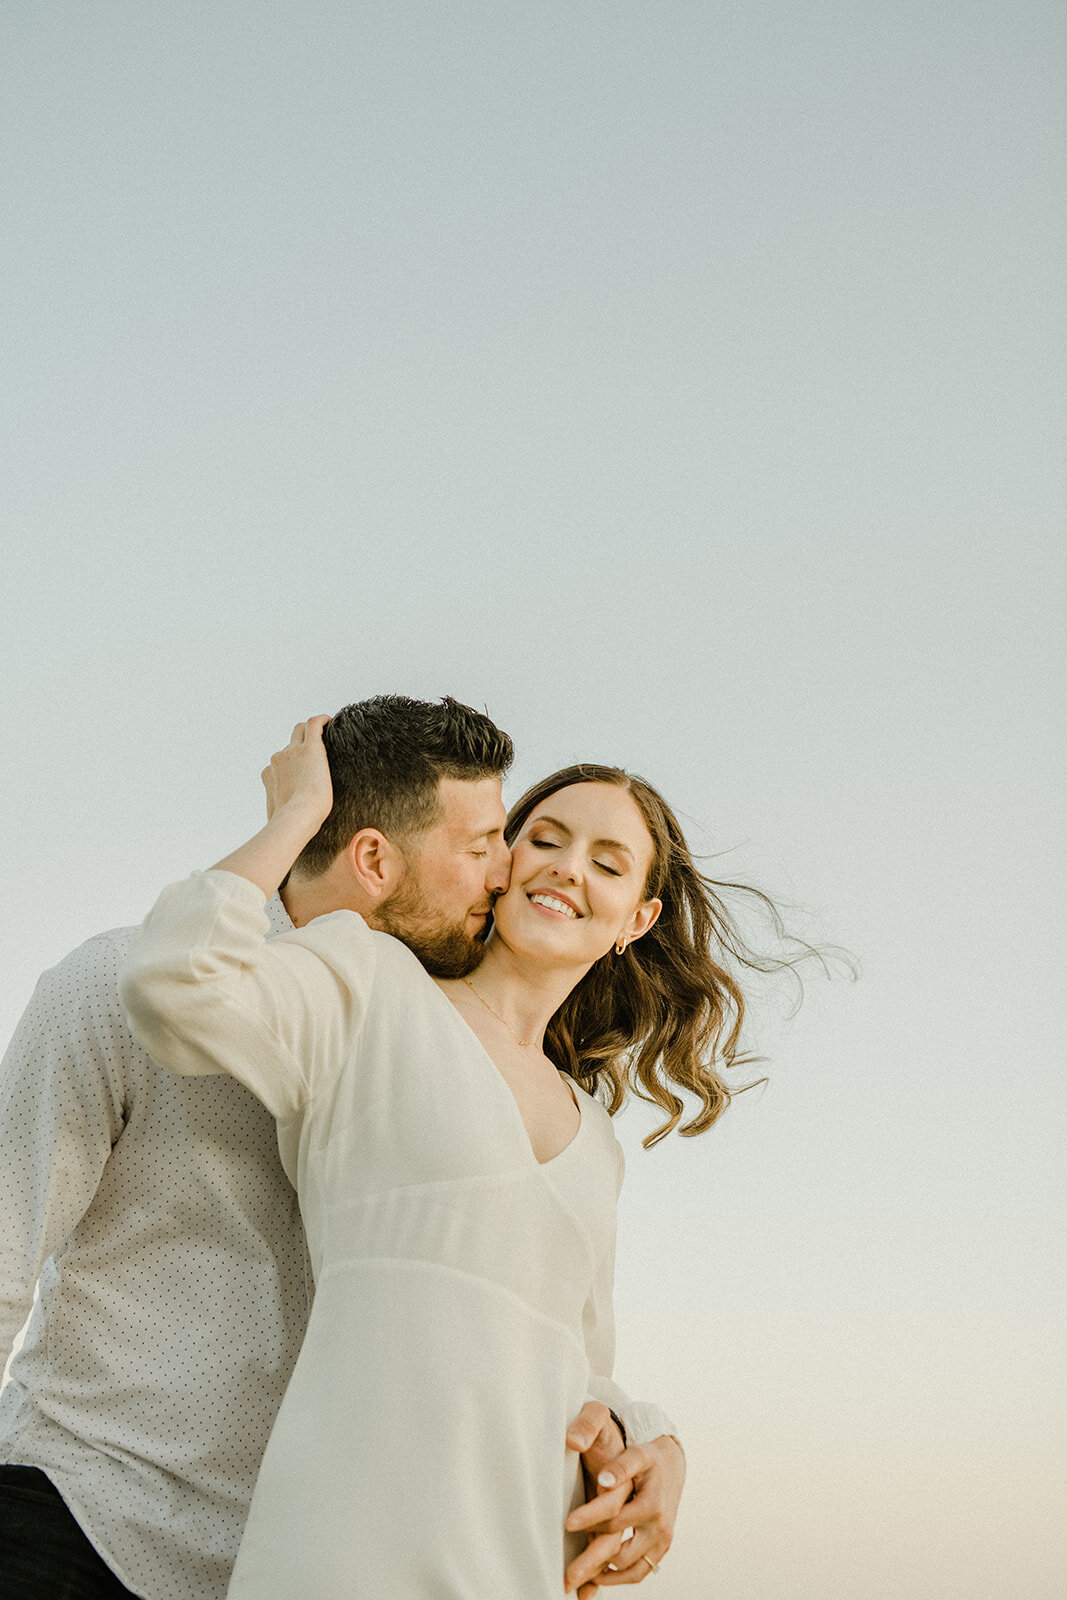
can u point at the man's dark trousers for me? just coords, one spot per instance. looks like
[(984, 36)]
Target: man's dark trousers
[(44, 1555)]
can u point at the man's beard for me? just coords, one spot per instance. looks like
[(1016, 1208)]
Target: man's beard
[(445, 949)]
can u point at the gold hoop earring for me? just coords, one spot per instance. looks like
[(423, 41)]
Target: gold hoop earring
[(620, 946)]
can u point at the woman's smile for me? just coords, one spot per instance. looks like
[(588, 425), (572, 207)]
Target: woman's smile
[(556, 904)]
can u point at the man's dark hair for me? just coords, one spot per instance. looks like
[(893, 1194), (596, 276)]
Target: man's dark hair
[(387, 756)]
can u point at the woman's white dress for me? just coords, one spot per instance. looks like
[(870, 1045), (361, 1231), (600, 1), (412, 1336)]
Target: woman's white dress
[(462, 1309)]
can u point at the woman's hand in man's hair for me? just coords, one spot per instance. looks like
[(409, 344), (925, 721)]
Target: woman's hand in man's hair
[(299, 775)]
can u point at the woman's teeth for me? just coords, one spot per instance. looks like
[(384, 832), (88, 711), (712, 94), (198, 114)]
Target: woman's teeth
[(552, 904)]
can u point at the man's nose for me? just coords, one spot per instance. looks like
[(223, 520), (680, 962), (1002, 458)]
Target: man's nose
[(499, 876)]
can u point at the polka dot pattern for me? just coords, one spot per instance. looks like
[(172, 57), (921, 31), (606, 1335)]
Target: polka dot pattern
[(166, 1241)]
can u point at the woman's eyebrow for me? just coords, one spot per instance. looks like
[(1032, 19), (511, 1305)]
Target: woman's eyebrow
[(598, 844)]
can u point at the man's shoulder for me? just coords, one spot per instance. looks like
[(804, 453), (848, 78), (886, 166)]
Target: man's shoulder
[(97, 959), (75, 1014), (100, 958), (81, 991)]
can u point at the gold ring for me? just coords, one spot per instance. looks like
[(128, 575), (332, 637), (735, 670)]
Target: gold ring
[(652, 1567)]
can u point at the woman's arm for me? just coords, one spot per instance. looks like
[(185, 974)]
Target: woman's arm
[(646, 1479), (204, 990)]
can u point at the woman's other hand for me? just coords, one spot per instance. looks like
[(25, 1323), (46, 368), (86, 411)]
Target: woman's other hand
[(654, 1474), (299, 775), (299, 797)]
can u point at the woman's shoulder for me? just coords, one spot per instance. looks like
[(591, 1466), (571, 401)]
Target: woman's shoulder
[(593, 1112), (344, 941), (598, 1132)]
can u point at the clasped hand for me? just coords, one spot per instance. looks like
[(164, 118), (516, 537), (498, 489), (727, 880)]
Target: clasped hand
[(652, 1474)]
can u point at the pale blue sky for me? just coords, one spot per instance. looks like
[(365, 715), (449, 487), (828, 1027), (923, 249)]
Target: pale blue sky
[(685, 384)]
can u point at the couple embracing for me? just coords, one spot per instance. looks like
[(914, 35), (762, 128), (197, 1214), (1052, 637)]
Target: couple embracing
[(429, 1009)]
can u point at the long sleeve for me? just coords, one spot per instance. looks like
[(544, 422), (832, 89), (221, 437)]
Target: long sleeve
[(642, 1420), (62, 1100), (206, 993)]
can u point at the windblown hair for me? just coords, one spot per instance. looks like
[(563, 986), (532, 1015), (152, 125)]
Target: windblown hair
[(387, 756), (668, 1013)]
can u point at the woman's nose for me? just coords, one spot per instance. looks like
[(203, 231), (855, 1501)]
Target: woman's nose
[(568, 866)]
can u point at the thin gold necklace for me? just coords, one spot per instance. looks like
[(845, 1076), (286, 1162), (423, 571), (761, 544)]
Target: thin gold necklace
[(496, 1014)]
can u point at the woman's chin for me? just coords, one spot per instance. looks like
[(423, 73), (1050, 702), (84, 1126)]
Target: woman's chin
[(544, 946)]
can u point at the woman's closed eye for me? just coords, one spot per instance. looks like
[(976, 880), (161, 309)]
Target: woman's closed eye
[(553, 844)]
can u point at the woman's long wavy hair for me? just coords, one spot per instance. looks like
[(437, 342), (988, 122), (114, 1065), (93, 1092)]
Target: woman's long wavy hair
[(668, 1013)]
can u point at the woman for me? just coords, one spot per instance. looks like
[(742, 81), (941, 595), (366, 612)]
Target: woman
[(458, 1188)]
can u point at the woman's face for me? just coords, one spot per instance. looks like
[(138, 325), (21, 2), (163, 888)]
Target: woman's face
[(578, 873)]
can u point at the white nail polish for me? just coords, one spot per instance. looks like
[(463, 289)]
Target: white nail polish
[(606, 1480)]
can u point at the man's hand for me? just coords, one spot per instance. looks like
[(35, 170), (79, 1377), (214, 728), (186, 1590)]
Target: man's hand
[(655, 1475)]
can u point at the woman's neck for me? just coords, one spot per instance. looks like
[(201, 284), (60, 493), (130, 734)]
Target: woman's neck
[(524, 998)]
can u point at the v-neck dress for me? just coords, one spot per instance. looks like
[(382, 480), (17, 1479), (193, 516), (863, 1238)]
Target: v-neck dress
[(462, 1309)]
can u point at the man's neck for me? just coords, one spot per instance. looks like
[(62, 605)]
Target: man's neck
[(307, 898)]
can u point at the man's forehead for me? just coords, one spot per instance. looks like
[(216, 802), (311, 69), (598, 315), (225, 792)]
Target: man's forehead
[(471, 807)]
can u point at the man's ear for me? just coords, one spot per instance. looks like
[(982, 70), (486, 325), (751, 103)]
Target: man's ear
[(375, 863)]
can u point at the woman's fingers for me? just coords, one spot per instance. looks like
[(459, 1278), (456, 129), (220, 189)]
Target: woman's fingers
[(594, 1433), (598, 1512), (636, 1561), (608, 1563), (635, 1459), (607, 1505), (267, 780), (587, 1567), (648, 1509), (305, 730), (300, 774), (656, 1471)]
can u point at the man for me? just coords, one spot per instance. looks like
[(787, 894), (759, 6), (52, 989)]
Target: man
[(153, 1209)]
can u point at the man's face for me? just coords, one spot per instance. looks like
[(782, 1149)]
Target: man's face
[(442, 908)]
